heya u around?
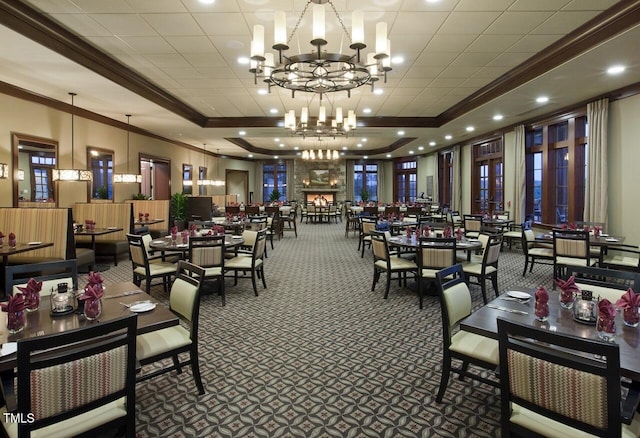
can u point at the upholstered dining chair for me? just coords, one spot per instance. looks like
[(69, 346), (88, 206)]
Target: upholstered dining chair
[(49, 273), (157, 258), (603, 282), (253, 265), (367, 225), (467, 347), (434, 254), (143, 269), (472, 225), (623, 257), (533, 251), (384, 261), (570, 247), (558, 385), (487, 269), (171, 342), (208, 252), (70, 386)]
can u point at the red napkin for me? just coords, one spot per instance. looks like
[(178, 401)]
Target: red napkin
[(459, 233), (542, 295), (426, 231), (14, 304), (95, 278), (91, 293), (572, 226), (31, 293), (567, 289), (629, 299), (606, 309), (174, 230), (447, 232), (12, 237)]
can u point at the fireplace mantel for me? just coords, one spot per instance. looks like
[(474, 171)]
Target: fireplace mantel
[(319, 190)]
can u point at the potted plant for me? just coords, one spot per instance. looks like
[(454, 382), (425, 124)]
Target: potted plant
[(140, 196), (275, 195), (364, 195), (102, 192), (179, 210)]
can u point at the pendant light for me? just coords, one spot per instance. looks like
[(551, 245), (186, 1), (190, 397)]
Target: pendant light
[(218, 182), (127, 177), (204, 182), (72, 174)]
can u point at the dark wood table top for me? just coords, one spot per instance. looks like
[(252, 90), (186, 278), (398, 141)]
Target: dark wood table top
[(41, 322), (6, 250), (165, 243), (413, 242), (484, 322), (97, 231), (148, 222), (603, 240)]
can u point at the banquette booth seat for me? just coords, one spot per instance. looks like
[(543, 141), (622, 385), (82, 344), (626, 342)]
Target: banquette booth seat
[(118, 215), (157, 209)]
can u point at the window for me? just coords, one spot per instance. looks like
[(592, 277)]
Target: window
[(187, 179), (42, 165), (487, 182), (556, 169), (101, 162), (445, 177), (365, 176), (406, 181), (274, 177)]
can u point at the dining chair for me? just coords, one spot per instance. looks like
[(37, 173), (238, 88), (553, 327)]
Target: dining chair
[(232, 209), (208, 253), (157, 258), (454, 219), (49, 273), (352, 223), (533, 251), (434, 254), (367, 225), (66, 386), (290, 221), (558, 385), (513, 233), (472, 225), (252, 210), (143, 269), (253, 265), (467, 347), (384, 261), (487, 269), (623, 257), (171, 342), (604, 282), (570, 247)]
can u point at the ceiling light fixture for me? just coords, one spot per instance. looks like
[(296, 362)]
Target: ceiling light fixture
[(542, 99), (339, 126), (4, 170), (615, 69), (127, 177), (72, 174), (320, 71), (498, 117), (320, 154), (210, 182)]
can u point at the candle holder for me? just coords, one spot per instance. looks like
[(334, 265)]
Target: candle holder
[(585, 309), (61, 300)]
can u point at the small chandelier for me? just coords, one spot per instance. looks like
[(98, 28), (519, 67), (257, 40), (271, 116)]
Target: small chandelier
[(320, 155), (72, 174), (210, 182), (320, 72), (127, 177), (339, 127)]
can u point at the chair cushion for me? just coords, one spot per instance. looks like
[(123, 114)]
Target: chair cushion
[(571, 261), (541, 252), (630, 262), (476, 269), (397, 264), (160, 341), (512, 234), (476, 346), (157, 269), (75, 425), (215, 271), (241, 263), (550, 428)]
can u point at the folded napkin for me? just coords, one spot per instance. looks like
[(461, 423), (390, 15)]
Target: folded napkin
[(95, 278), (628, 299), (567, 289), (173, 230), (32, 286), (91, 293), (542, 295), (14, 304), (447, 232), (606, 309), (459, 233), (426, 231)]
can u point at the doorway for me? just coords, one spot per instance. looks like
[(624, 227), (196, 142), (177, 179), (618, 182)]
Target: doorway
[(156, 177), (238, 184)]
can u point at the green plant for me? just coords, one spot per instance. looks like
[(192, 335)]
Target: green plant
[(364, 195), (275, 195), (140, 196), (102, 193), (179, 206)]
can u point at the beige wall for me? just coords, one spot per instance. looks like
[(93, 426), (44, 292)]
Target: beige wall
[(29, 118)]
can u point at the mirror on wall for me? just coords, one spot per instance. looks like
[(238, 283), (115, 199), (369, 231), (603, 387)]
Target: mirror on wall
[(101, 166), (34, 159)]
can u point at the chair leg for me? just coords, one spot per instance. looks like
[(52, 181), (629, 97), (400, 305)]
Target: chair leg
[(526, 264), (376, 276), (463, 369), (222, 292), (253, 282), (176, 363), (261, 275), (386, 291), (494, 282), (444, 378), (483, 288), (195, 369)]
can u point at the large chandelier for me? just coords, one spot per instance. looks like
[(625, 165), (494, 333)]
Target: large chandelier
[(72, 174), (320, 72), (339, 126), (127, 177), (320, 155)]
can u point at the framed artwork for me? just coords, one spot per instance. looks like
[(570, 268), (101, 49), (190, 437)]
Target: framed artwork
[(319, 177)]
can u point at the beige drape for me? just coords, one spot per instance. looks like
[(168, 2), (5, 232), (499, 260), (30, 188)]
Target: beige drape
[(595, 205), (456, 198), (291, 171), (520, 193), (349, 181), (381, 173), (257, 187)]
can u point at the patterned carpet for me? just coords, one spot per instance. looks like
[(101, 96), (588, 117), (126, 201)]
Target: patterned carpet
[(318, 354)]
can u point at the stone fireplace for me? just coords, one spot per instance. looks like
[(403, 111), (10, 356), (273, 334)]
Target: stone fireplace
[(306, 191)]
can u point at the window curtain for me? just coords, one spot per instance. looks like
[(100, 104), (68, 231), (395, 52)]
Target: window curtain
[(436, 180), (381, 180), (456, 198), (520, 195), (291, 168), (349, 181), (258, 184), (595, 205)]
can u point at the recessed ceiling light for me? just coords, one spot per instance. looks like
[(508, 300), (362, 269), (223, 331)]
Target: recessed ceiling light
[(366, 157), (433, 1), (344, 148), (276, 140), (378, 91), (281, 145), (273, 111), (410, 152), (420, 148), (94, 153), (432, 143), (448, 137), (615, 69), (388, 155), (207, 2), (242, 132), (397, 60), (262, 91), (243, 60), (542, 99), (400, 132), (498, 117), (366, 110), (250, 155), (359, 145), (470, 128), (275, 157), (295, 148), (364, 139)]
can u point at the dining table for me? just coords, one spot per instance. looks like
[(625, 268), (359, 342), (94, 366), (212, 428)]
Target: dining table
[(7, 250), (166, 244), (484, 322), (413, 242), (603, 240)]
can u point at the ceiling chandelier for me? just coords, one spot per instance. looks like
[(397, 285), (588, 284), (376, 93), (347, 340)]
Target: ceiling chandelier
[(209, 182), (339, 126), (72, 174), (320, 153), (319, 71), (127, 177)]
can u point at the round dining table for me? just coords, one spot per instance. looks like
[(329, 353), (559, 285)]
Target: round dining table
[(165, 244)]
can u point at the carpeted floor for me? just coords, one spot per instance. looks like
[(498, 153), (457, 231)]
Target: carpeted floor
[(318, 354)]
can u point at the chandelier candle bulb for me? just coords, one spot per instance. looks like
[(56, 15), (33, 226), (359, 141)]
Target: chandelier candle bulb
[(386, 62), (268, 63), (381, 40), (322, 115), (372, 65), (338, 118), (357, 30), (257, 44), (304, 116), (318, 26), (280, 31)]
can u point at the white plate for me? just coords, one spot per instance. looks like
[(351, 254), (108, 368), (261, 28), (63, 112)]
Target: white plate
[(611, 239), (112, 228), (141, 307), (34, 243), (604, 235), (236, 237), (157, 242), (518, 294), (182, 245)]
